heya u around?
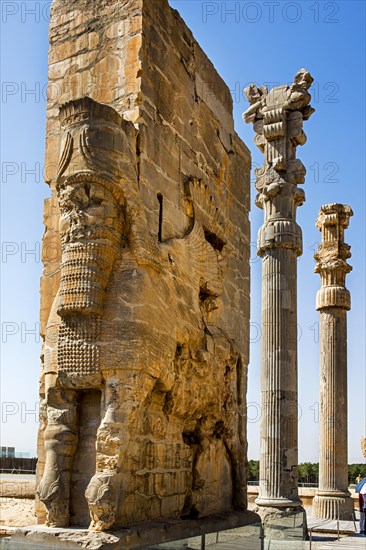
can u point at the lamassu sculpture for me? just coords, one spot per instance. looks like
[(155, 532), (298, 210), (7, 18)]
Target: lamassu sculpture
[(134, 364)]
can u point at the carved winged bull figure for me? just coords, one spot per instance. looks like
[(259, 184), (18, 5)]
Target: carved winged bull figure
[(143, 400)]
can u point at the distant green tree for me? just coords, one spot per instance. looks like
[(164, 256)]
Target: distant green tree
[(305, 472), (301, 473), (316, 473), (354, 470), (309, 473), (253, 466)]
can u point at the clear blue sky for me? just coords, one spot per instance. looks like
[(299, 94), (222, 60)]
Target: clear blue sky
[(259, 41)]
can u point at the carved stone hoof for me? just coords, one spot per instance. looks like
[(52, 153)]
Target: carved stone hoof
[(102, 517), (50, 493), (102, 498), (57, 518), (57, 513)]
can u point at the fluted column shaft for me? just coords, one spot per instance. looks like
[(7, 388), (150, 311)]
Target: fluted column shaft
[(333, 302), (333, 465), (278, 459)]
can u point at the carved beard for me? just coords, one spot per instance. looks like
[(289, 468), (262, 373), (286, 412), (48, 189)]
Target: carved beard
[(91, 228), (85, 272), (91, 235)]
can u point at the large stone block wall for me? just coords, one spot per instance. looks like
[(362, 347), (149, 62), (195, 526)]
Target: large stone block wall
[(144, 360)]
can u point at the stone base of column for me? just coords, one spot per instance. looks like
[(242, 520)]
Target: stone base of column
[(333, 506), (283, 523)]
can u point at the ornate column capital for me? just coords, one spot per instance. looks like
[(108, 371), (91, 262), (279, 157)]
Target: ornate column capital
[(331, 257), (363, 446), (277, 118)]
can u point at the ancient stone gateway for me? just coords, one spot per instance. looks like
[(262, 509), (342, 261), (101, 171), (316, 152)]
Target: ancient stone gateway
[(145, 308), (277, 118), (333, 301)]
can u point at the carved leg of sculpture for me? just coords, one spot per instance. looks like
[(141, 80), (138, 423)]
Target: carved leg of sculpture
[(238, 468), (236, 444), (121, 404), (60, 439), (195, 440)]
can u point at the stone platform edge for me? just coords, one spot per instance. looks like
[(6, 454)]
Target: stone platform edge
[(137, 536)]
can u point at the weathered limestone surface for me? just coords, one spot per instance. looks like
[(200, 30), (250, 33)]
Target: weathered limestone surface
[(145, 290), (333, 302), (278, 118)]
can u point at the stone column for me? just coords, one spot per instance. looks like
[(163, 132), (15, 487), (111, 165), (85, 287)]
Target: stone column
[(278, 117), (333, 302)]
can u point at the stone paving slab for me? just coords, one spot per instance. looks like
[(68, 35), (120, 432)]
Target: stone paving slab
[(317, 525), (241, 541), (353, 542), (329, 526), (138, 536), (356, 542)]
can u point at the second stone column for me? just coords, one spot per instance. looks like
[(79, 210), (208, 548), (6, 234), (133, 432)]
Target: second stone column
[(333, 301)]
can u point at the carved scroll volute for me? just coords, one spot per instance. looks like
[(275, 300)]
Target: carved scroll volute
[(96, 165)]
